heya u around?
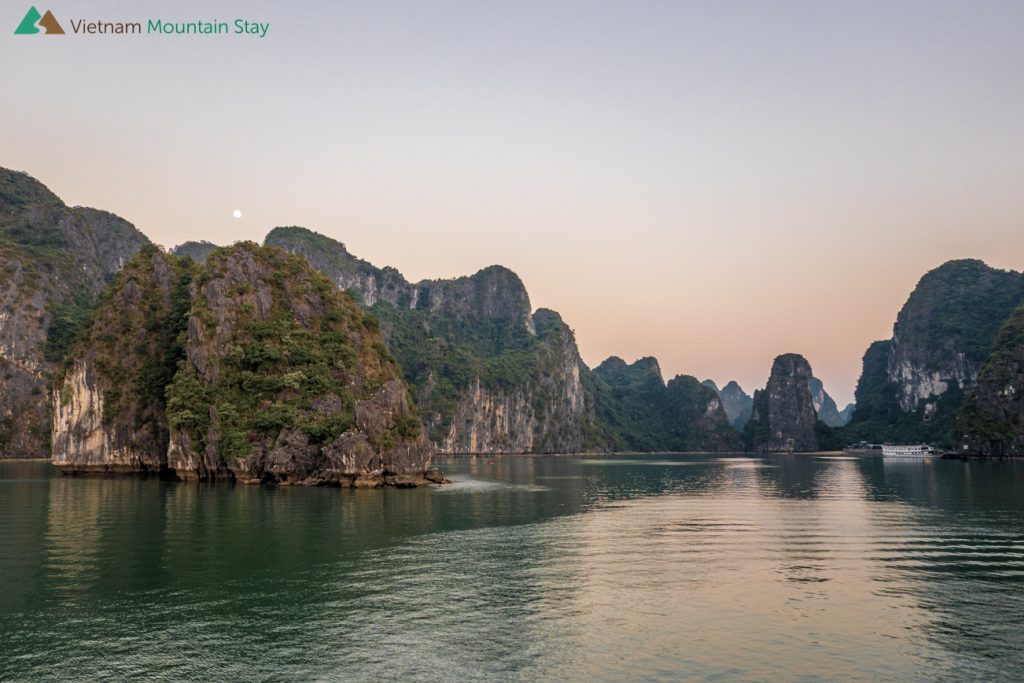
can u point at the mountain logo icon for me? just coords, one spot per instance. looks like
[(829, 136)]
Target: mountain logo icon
[(33, 20)]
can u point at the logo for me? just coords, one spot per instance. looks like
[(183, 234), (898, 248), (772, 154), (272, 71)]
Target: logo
[(34, 23), (33, 20)]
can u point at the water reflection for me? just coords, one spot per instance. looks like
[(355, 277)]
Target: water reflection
[(658, 568)]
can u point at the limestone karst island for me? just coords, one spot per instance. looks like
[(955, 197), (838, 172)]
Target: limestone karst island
[(295, 362), (487, 342)]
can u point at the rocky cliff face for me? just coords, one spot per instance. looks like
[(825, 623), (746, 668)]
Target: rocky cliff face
[(109, 406), (488, 375), (737, 404), (645, 414), (488, 421), (783, 417), (370, 283), (54, 259), (550, 412), (991, 420), (286, 380), (912, 385), (945, 330), (695, 418), (494, 296), (824, 405), (281, 378)]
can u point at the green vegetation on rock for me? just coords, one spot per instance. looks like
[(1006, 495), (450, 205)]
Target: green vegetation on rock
[(912, 386), (251, 366), (878, 416), (991, 420), (67, 321), (958, 308), (123, 364), (197, 251), (54, 260), (273, 369), (630, 401), (642, 413), (485, 373), (442, 353)]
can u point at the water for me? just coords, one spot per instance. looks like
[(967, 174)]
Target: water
[(588, 569)]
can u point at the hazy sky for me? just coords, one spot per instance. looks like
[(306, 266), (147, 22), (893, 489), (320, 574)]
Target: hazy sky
[(711, 183)]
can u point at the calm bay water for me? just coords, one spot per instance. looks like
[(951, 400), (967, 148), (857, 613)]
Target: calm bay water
[(622, 568)]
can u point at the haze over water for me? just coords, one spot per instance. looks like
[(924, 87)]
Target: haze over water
[(619, 568)]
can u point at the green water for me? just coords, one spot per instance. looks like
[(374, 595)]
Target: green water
[(609, 569)]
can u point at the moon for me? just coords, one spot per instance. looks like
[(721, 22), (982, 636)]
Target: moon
[(236, 213)]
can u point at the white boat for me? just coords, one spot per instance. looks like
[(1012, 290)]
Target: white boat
[(863, 448), (915, 451)]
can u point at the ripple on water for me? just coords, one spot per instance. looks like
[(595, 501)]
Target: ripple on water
[(472, 485), (723, 569)]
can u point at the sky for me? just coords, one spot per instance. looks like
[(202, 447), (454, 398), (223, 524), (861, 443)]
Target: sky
[(710, 183)]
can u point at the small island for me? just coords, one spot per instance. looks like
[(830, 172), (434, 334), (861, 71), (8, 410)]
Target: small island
[(252, 367)]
